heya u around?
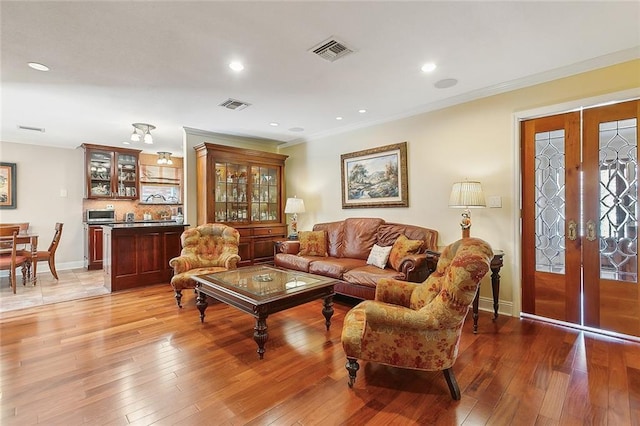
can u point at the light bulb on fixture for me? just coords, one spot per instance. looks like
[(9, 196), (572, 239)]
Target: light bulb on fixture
[(142, 131), (164, 158)]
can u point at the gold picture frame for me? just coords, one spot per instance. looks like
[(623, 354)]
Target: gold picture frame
[(8, 186), (375, 177)]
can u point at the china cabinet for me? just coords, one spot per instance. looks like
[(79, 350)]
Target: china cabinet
[(243, 188), (111, 172)]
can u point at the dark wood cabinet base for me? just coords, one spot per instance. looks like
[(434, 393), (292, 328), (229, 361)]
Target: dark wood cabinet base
[(138, 255)]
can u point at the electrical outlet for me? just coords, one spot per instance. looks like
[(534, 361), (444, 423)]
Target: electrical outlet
[(109, 206)]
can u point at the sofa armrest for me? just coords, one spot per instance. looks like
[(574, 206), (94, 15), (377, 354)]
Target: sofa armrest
[(415, 267), (393, 291), (229, 260), (379, 314), (288, 247), (182, 264)]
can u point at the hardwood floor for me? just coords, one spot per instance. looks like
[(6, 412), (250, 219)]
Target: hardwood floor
[(135, 358)]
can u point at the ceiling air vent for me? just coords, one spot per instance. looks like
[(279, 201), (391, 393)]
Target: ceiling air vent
[(234, 104), (33, 129), (331, 49)]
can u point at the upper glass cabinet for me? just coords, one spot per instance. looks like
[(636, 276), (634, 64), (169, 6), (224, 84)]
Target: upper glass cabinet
[(111, 172)]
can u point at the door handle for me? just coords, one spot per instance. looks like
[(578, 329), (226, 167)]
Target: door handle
[(573, 230), (591, 230)]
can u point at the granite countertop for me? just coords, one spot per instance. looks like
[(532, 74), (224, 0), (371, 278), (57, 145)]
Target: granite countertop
[(144, 224)]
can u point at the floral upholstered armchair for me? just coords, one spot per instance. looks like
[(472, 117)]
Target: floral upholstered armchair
[(208, 248), (418, 326)]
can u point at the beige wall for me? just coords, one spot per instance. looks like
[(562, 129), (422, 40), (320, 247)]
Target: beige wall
[(476, 140), (42, 173)]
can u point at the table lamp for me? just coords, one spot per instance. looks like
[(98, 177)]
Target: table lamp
[(294, 206), (466, 195)]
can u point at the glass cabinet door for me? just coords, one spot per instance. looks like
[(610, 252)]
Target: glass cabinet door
[(126, 178), (264, 195), (231, 189), (246, 194), (100, 173)]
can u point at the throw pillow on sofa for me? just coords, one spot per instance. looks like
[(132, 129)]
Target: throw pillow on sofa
[(379, 256), (312, 243), (402, 247)]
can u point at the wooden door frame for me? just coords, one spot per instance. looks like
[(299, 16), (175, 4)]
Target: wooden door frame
[(517, 118)]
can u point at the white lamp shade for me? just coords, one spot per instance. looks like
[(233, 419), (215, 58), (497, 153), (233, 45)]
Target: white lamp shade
[(294, 205), (467, 194)]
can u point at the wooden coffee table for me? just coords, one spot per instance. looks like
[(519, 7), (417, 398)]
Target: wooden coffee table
[(263, 290)]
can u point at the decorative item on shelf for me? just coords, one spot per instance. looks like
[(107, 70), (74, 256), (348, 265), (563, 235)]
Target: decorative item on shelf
[(466, 195), (294, 206), (164, 158), (142, 130)]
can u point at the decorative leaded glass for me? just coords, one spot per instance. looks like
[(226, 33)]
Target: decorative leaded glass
[(550, 203), (618, 200)]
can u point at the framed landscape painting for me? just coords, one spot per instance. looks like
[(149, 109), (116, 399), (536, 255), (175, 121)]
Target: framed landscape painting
[(7, 185), (375, 177)]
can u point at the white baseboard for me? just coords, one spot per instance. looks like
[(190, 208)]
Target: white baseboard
[(60, 266), (504, 308)]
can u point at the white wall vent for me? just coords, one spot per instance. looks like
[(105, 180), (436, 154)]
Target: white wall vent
[(331, 49), (234, 104)]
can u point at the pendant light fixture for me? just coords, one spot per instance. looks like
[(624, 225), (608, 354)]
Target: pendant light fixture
[(142, 130), (164, 158)]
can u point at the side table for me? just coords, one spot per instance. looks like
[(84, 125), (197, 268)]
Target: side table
[(496, 265)]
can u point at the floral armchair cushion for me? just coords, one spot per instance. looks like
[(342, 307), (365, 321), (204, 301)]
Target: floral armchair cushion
[(414, 325), (206, 249)]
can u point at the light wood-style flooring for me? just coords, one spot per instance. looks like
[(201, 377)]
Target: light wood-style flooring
[(135, 358)]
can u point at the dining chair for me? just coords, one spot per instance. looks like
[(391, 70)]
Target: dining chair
[(49, 255), (11, 260), (6, 245)]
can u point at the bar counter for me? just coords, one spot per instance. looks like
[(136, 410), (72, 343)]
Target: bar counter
[(137, 254)]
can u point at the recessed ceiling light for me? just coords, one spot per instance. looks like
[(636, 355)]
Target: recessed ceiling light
[(37, 66), (126, 143), (362, 111), (296, 129), (446, 83), (236, 66), (274, 124), (428, 67), (338, 118)]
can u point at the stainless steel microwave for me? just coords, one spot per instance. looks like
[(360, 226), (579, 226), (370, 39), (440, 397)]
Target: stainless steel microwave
[(101, 215)]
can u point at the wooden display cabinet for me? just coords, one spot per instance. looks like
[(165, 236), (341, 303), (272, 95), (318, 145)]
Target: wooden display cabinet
[(244, 189), (111, 173)]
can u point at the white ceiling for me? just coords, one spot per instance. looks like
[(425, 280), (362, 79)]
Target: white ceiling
[(166, 63)]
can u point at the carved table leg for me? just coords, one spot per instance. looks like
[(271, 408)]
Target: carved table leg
[(495, 286), (327, 310), (201, 304), (260, 334), (476, 302)]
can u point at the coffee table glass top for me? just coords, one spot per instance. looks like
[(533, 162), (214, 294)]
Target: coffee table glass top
[(260, 282)]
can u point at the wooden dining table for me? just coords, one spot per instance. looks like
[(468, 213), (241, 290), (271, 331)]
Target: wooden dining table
[(31, 239)]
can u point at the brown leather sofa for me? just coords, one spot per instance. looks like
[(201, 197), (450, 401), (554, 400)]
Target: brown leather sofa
[(349, 243)]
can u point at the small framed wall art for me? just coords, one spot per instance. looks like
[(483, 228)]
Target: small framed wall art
[(8, 186)]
